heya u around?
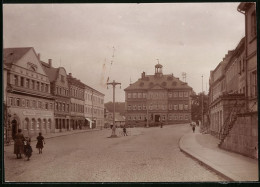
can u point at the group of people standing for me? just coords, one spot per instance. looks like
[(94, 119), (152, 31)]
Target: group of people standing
[(22, 145)]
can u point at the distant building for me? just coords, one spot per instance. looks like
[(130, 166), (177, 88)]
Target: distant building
[(28, 96), (60, 91), (157, 98), (119, 119), (94, 108)]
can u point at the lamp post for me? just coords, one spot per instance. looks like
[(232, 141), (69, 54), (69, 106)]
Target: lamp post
[(114, 85)]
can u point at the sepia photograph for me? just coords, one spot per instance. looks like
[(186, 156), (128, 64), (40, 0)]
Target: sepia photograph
[(129, 92)]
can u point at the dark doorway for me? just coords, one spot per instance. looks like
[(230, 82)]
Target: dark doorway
[(14, 128), (157, 118)]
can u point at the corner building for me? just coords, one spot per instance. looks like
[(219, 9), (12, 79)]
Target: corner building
[(29, 101), (158, 98)]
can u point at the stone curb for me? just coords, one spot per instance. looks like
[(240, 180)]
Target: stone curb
[(209, 165), (59, 135)]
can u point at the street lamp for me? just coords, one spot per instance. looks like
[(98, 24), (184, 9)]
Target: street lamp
[(114, 85)]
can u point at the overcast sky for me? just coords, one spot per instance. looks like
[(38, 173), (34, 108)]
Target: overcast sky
[(191, 38)]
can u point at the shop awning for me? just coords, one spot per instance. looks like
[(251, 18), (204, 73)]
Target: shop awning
[(89, 120)]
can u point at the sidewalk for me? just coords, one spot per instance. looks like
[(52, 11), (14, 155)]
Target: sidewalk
[(204, 148), (58, 134)]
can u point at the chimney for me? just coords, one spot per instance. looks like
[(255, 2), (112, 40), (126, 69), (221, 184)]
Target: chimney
[(39, 56), (143, 75), (50, 62)]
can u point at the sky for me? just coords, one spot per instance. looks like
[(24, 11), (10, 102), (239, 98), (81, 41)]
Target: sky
[(120, 41)]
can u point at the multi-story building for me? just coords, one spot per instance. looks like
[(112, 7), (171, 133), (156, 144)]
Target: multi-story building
[(76, 92), (249, 10), (60, 91), (233, 110), (157, 98), (28, 96), (226, 88), (94, 108)]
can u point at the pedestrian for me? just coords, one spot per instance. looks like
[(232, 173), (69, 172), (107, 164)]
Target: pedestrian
[(40, 141), (193, 127), (124, 131), (19, 144), (28, 148)]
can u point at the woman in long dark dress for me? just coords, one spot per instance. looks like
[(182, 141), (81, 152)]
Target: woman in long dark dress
[(40, 141), (19, 144)]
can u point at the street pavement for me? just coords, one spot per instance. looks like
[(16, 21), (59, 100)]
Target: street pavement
[(148, 155), (204, 148)]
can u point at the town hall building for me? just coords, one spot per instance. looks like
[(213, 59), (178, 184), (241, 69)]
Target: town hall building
[(158, 98)]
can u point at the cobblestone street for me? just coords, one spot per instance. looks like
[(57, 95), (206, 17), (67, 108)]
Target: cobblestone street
[(148, 155)]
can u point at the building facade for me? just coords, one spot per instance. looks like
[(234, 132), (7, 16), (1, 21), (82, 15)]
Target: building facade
[(76, 92), (158, 98), (234, 117), (28, 96), (249, 10), (94, 108), (60, 91)]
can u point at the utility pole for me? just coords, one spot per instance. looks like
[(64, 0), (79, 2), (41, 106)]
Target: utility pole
[(114, 126), (202, 122)]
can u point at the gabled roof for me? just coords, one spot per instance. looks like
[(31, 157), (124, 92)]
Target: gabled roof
[(152, 81), (50, 71), (12, 55)]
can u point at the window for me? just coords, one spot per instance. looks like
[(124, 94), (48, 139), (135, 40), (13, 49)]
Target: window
[(134, 108), (140, 95), (180, 117), (46, 106), (134, 95), (27, 103), (42, 87), (32, 84), (175, 94), (170, 117), (17, 102), (144, 107), (185, 107), (170, 106), (144, 95), (51, 106), (254, 84), (39, 104), (180, 94), (253, 24), (34, 104), (11, 101), (185, 94), (37, 85), (56, 106), (129, 117), (175, 107), (22, 81), (170, 94), (186, 117), (16, 80), (139, 107), (27, 83)]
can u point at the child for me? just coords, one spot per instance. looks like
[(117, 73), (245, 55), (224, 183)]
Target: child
[(28, 149)]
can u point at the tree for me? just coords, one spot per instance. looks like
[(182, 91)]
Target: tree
[(196, 106), (119, 107)]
